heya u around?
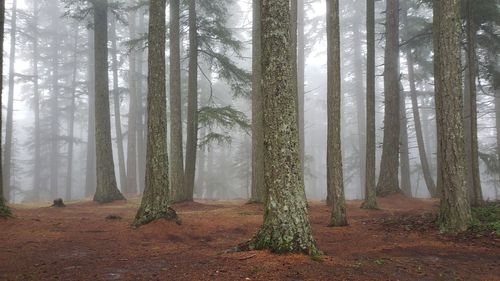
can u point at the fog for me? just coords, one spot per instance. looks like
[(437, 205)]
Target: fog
[(50, 109)]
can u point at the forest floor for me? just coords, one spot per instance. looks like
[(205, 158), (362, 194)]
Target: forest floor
[(79, 242)]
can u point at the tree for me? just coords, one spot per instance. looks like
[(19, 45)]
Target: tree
[(116, 103), (106, 189), (154, 204), (176, 154), (454, 213), (286, 225), (4, 210), (131, 184), (370, 201), (192, 110), (10, 104), (258, 191), (404, 151), (470, 107), (335, 179), (388, 180)]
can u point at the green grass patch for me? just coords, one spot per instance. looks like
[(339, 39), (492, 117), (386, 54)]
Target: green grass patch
[(486, 218)]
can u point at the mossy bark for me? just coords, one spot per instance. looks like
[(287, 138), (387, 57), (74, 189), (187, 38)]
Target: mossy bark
[(335, 179), (258, 190), (370, 201), (176, 154), (155, 201), (192, 110), (106, 189), (454, 214), (286, 226), (388, 181)]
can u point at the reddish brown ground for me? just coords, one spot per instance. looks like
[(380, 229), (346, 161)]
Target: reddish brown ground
[(78, 243)]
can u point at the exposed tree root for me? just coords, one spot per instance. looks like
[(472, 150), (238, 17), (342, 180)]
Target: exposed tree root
[(145, 216)]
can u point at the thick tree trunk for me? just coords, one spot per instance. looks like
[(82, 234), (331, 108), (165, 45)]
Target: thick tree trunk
[(454, 213), (36, 108), (335, 179), (106, 189), (474, 182), (258, 191), (71, 120), (10, 106), (131, 185), (192, 110), (404, 152), (388, 181), (370, 201), (156, 197), (301, 77), (176, 155), (116, 103), (90, 178), (4, 210), (286, 225)]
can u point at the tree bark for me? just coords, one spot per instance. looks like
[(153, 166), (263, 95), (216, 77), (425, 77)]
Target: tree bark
[(4, 210), (454, 214), (131, 185), (474, 180), (71, 120), (90, 177), (370, 201), (106, 189), (154, 204), (286, 225), (301, 77), (258, 191), (54, 111), (335, 179), (388, 182), (192, 110), (404, 151), (141, 116), (176, 155), (36, 107), (116, 103), (10, 106)]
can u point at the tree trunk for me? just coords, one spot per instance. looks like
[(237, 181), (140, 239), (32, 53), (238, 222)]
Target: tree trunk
[(370, 201), (141, 116), (90, 178), (106, 189), (474, 182), (4, 210), (301, 77), (116, 103), (54, 112), (454, 214), (360, 99), (10, 107), (192, 110), (155, 200), (388, 180), (131, 185), (71, 120), (36, 107), (286, 225), (176, 155), (404, 152), (335, 179), (258, 191)]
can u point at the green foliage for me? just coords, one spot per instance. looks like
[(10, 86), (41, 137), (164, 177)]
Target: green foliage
[(224, 119), (486, 218)]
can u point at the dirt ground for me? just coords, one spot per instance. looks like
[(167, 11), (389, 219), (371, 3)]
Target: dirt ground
[(398, 242)]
